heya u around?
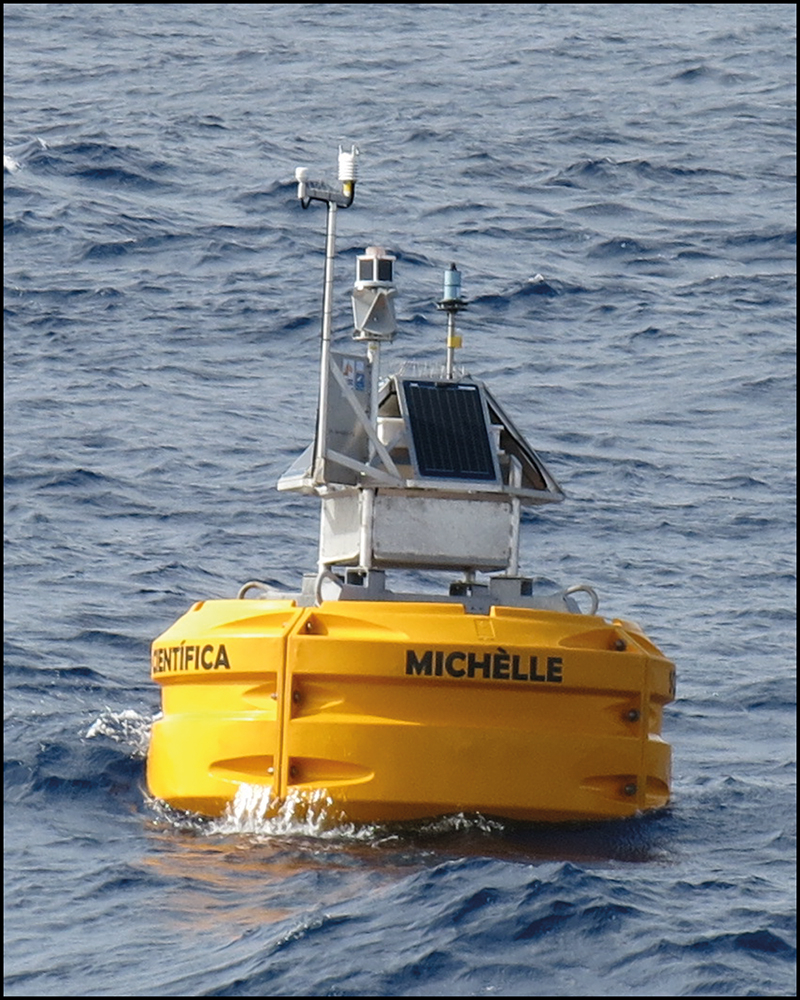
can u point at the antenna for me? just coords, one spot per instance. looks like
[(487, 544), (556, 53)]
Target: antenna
[(452, 303)]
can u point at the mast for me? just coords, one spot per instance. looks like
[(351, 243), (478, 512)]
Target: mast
[(308, 191)]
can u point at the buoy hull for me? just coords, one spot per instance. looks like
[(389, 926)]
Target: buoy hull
[(404, 711)]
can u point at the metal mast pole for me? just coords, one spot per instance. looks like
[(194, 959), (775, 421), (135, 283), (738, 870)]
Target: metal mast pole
[(308, 191), (325, 352)]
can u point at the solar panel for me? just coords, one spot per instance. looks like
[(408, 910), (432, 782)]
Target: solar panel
[(448, 424)]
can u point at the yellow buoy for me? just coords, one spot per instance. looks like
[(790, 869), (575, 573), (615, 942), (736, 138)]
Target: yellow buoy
[(410, 710), (492, 698)]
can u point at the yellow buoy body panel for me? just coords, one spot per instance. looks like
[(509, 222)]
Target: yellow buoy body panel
[(405, 711)]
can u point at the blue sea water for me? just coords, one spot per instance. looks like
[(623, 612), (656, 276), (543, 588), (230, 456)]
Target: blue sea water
[(617, 184)]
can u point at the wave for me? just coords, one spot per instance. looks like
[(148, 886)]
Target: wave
[(127, 727), (589, 171), (41, 679), (760, 940), (622, 246), (102, 162), (258, 817), (106, 765), (533, 287), (15, 157), (776, 236)]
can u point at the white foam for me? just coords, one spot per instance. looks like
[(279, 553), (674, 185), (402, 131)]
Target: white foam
[(17, 154), (256, 812), (128, 727)]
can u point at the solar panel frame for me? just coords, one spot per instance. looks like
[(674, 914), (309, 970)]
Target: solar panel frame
[(448, 429)]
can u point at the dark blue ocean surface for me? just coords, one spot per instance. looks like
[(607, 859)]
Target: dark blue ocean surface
[(617, 184)]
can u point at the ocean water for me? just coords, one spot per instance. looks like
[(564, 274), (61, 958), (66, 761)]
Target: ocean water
[(617, 185)]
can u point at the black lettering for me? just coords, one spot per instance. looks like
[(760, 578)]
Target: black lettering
[(451, 659), (502, 661), (484, 666), (500, 665), (189, 654), (222, 658), (207, 664), (534, 662), (414, 665)]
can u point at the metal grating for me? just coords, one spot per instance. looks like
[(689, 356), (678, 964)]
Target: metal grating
[(448, 422)]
